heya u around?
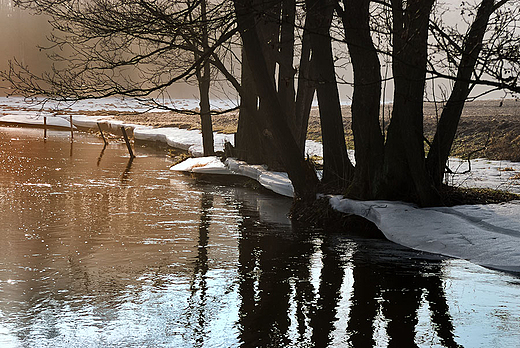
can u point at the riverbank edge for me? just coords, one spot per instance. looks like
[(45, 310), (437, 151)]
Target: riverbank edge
[(190, 141)]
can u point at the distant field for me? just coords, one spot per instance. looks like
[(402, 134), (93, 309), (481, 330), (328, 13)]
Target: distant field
[(492, 123)]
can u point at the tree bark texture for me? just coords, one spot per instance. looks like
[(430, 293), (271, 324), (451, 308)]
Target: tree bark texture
[(248, 140), (204, 81), (338, 171), (368, 139), (205, 115), (405, 172), (273, 123), (306, 91), (275, 23), (251, 145), (286, 71)]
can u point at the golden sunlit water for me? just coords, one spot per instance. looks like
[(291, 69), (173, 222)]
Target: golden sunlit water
[(100, 251)]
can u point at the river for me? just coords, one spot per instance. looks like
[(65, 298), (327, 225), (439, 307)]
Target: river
[(100, 251)]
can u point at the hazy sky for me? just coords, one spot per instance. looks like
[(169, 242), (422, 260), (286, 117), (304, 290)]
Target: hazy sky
[(22, 33), (20, 36)]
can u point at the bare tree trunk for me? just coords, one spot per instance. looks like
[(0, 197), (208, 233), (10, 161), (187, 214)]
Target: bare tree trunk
[(205, 116), (276, 29), (251, 145), (286, 70), (274, 125), (248, 140), (450, 117), (306, 89), (405, 172), (268, 30), (204, 80), (368, 139), (337, 168)]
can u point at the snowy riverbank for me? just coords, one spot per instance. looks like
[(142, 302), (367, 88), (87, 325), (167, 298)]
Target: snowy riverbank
[(488, 235)]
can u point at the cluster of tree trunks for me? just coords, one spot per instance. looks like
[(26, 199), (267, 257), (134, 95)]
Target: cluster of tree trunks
[(270, 118), (388, 166)]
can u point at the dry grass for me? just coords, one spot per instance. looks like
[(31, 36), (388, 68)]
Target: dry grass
[(458, 195), (482, 122)]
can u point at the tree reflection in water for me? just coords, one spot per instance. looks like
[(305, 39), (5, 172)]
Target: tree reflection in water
[(396, 286), (294, 290), (198, 285)]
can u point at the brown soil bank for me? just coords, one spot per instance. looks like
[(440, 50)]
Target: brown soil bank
[(490, 126)]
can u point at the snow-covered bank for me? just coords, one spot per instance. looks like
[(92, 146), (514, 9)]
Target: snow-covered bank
[(500, 175), (277, 182), (184, 139), (488, 235), (39, 121), (107, 104)]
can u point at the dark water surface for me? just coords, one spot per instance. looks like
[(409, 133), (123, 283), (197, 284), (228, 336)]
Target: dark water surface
[(97, 251)]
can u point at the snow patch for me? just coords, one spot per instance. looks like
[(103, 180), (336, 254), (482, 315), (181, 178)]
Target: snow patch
[(35, 120), (184, 139), (484, 173), (488, 235), (206, 165), (109, 104), (275, 181)]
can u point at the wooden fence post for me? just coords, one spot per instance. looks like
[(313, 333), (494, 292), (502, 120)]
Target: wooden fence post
[(102, 136), (71, 129), (128, 146), (44, 128)]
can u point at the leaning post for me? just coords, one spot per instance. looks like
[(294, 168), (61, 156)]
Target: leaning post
[(102, 135), (71, 129), (128, 146), (44, 128)]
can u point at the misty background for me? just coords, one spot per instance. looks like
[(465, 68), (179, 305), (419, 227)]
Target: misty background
[(21, 34), (24, 38)]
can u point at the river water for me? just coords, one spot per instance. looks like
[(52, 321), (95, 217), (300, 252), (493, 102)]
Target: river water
[(100, 251)]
